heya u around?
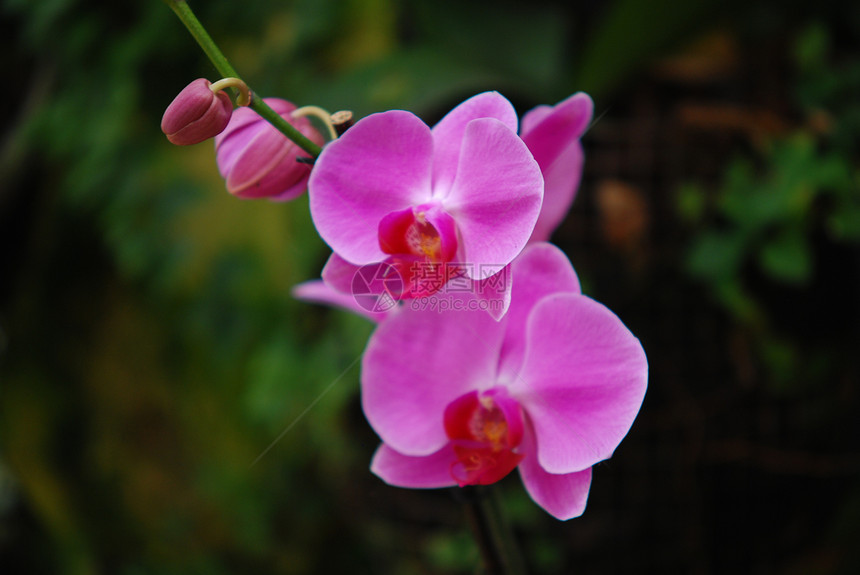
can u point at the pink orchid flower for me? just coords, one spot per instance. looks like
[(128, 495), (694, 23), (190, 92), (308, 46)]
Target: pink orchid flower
[(553, 134), (461, 198), (258, 161), (460, 399)]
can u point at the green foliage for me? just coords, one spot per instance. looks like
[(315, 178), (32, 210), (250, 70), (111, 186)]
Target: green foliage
[(771, 209), (769, 215), (452, 552)]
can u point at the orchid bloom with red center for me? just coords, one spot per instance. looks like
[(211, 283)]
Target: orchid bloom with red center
[(553, 134), (460, 198), (258, 161), (460, 399)]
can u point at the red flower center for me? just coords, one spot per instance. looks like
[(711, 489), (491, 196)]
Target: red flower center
[(421, 241), (485, 428)]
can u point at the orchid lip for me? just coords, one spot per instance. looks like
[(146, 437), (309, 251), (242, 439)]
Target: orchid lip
[(420, 241), (425, 231), (485, 429)]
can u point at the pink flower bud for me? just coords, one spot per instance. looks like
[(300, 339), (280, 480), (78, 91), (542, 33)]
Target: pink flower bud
[(258, 161), (196, 114)]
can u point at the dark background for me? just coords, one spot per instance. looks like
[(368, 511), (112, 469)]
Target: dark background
[(150, 350)]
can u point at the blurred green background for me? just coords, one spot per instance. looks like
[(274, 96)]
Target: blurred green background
[(150, 351)]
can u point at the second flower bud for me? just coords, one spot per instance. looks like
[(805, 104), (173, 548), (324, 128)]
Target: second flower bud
[(258, 161)]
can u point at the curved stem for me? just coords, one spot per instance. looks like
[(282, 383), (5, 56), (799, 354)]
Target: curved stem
[(198, 32), (492, 534), (244, 97), (323, 116)]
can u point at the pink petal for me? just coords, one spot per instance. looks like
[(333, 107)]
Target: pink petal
[(267, 149), (555, 131), (582, 383), (534, 117), (338, 274), (494, 293), (448, 133), (317, 291), (552, 135), (496, 196), (420, 360), (244, 117), (228, 150), (541, 270), (426, 471), (375, 288), (561, 182), (285, 181), (244, 125), (380, 165), (563, 496)]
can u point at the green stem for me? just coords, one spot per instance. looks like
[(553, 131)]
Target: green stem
[(198, 32), (492, 534)]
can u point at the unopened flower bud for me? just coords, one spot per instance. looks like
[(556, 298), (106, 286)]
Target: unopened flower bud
[(196, 114), (258, 161)]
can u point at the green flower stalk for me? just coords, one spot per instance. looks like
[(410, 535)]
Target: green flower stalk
[(199, 33)]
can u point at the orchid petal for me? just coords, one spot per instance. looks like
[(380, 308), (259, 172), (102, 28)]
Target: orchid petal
[(256, 160), (380, 165), (552, 134), (373, 288), (534, 117), (266, 149), (563, 496), (494, 293), (283, 182), (417, 362), (582, 382), (496, 196), (424, 471), (339, 274), (317, 291), (561, 182), (541, 270), (555, 131), (234, 138), (448, 133)]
